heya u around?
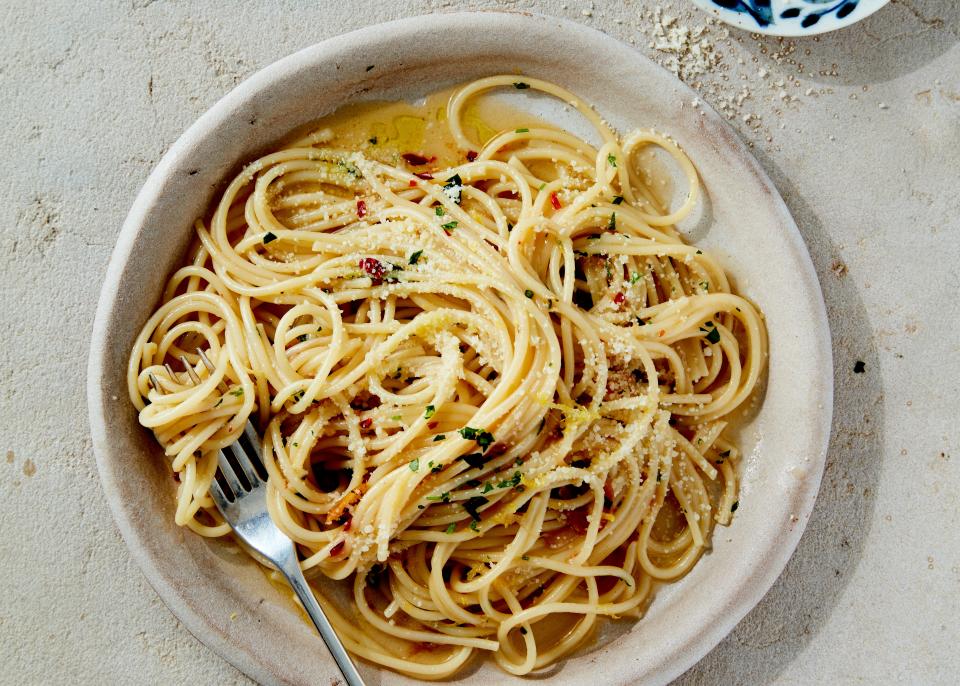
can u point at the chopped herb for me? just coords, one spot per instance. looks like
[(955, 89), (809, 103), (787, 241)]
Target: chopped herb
[(699, 252), (523, 630), (542, 186), (512, 482), (415, 464), (237, 392), (397, 417), (373, 141), (439, 437), (634, 277), (451, 527), (415, 257), (443, 497), (612, 225), (528, 293), (436, 468), (449, 225), (218, 403), (472, 504), (481, 436), (487, 487), (658, 476), (297, 397), (518, 462), (705, 285), (269, 237), (473, 525), (473, 483), (370, 67), (439, 211), (714, 335), (523, 131), (453, 188), (473, 459), (303, 337), (617, 199), (525, 558), (421, 507), (612, 160), (736, 504), (520, 85), (593, 236), (429, 412)]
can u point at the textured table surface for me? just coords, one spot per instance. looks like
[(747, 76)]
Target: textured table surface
[(860, 131)]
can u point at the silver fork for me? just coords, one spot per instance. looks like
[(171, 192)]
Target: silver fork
[(244, 505)]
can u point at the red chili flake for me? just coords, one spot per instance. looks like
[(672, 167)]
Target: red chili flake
[(374, 269), (433, 425), (337, 549), (626, 273), (176, 477), (472, 155), (347, 524), (510, 195), (577, 520), (496, 450), (414, 159), (412, 183), (424, 175), (361, 209), (619, 298), (366, 423), (661, 333), (555, 201)]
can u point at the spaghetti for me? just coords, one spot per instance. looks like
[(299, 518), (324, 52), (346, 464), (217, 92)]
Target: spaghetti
[(493, 394)]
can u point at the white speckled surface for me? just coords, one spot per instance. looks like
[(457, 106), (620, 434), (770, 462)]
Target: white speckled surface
[(864, 146)]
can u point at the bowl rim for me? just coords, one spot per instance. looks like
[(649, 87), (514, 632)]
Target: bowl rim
[(211, 633), (741, 21)]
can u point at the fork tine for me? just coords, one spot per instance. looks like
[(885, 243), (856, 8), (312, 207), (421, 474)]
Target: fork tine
[(219, 497), (189, 367), (229, 475), (154, 383), (210, 367), (243, 461), (173, 374)]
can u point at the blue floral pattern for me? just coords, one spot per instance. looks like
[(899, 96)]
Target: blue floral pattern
[(795, 16)]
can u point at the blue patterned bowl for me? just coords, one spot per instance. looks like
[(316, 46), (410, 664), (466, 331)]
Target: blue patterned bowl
[(790, 17)]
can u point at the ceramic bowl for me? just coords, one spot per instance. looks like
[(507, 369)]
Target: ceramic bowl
[(219, 593), (791, 17)]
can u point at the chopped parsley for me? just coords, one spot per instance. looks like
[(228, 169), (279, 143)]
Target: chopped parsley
[(487, 487), (473, 525), (396, 417), (520, 85), (736, 504), (525, 558), (512, 482), (617, 199), (415, 464), (429, 412), (612, 160), (415, 257), (528, 293), (473, 504), (434, 468), (658, 476), (373, 141), (439, 437), (451, 527), (713, 336), (612, 225), (449, 225), (303, 337), (443, 497), (474, 459), (634, 277), (237, 392), (453, 188), (481, 436), (523, 131), (269, 237), (705, 285), (439, 210)]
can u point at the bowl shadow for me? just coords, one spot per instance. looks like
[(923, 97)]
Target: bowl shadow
[(897, 39), (799, 604)]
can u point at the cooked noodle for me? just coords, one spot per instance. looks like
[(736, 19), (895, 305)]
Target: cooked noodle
[(495, 398)]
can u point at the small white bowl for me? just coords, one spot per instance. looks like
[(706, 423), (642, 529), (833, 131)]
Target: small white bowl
[(790, 17), (218, 592)]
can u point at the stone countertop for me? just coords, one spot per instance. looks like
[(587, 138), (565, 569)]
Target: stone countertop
[(860, 131)]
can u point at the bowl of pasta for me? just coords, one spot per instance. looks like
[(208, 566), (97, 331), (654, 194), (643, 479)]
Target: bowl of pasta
[(538, 358)]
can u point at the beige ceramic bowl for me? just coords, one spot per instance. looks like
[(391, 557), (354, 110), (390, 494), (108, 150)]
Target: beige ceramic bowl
[(743, 219)]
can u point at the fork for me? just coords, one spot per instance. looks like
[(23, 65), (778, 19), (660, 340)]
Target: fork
[(243, 504)]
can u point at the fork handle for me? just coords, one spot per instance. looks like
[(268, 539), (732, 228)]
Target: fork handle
[(294, 575)]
